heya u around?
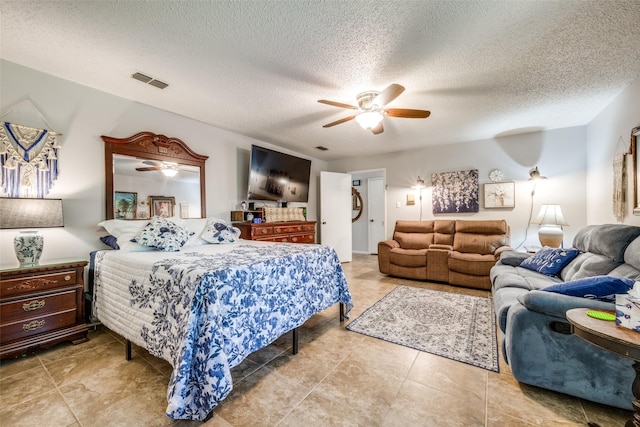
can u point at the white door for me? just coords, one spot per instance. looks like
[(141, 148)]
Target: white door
[(335, 213), (375, 207)]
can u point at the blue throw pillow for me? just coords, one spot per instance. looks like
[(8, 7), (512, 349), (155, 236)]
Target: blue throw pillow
[(110, 241), (602, 288), (550, 261)]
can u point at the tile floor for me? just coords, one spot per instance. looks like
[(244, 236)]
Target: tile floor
[(339, 378)]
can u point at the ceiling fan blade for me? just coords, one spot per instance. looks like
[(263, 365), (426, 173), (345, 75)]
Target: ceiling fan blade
[(378, 129), (151, 162), (337, 122), (407, 113), (156, 168), (389, 94), (337, 104)]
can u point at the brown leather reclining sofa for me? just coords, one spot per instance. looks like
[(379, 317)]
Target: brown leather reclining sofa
[(459, 252)]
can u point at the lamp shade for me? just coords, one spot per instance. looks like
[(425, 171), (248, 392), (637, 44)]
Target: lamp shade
[(550, 215), (30, 213)]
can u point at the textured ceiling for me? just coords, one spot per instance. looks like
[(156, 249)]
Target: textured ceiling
[(483, 68)]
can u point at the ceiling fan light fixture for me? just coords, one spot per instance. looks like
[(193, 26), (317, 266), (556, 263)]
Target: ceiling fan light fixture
[(369, 119), (170, 171)]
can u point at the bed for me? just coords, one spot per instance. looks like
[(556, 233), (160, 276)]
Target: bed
[(206, 307)]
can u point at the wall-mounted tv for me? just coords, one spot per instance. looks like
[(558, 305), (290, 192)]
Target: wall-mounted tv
[(278, 176)]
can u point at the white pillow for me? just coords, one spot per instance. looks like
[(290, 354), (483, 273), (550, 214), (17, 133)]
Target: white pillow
[(125, 230), (196, 226)]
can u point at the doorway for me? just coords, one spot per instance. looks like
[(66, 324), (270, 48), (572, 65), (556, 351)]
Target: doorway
[(369, 229)]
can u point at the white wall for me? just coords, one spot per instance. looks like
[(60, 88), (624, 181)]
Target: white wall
[(83, 114), (607, 134), (559, 154)]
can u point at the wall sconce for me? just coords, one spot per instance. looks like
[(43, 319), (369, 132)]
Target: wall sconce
[(30, 213), (551, 221)]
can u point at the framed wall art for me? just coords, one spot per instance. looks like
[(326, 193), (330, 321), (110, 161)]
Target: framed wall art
[(124, 204), (455, 192), (162, 206), (499, 195)]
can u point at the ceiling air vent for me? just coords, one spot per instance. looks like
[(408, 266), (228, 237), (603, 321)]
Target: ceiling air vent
[(149, 80), (322, 148), (158, 84)]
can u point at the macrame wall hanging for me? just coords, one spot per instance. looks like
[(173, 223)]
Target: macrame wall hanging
[(620, 183), (28, 159)]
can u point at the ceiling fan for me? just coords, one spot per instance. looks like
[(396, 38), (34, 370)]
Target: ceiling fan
[(168, 168), (371, 109)]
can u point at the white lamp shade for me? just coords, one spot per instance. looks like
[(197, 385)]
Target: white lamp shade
[(550, 215)]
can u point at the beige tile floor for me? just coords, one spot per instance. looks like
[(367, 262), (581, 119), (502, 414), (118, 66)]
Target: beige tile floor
[(339, 378)]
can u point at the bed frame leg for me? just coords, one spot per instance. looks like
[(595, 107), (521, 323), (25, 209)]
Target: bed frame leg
[(295, 341), (341, 312), (128, 350)]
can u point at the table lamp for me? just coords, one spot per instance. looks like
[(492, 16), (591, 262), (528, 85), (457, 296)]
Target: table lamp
[(551, 221), (18, 213)]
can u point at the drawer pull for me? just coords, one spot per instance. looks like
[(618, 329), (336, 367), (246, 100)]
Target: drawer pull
[(264, 231), (33, 325), (294, 239), (67, 278), (33, 305)]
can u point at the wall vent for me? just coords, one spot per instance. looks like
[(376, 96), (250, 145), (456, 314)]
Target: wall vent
[(149, 80), (322, 148)]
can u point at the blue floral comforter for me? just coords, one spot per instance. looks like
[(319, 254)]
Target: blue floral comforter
[(206, 308)]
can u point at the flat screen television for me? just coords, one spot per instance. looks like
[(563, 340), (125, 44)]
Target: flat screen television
[(278, 176)]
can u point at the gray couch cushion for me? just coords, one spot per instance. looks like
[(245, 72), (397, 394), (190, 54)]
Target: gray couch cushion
[(610, 240), (632, 255), (588, 264)]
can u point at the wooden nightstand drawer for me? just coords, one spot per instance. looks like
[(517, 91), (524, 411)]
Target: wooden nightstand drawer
[(35, 283), (309, 227), (37, 325), (25, 308)]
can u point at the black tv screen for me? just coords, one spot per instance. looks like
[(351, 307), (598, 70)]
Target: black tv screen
[(278, 176)]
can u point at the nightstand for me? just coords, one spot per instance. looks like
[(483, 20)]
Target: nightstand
[(41, 306)]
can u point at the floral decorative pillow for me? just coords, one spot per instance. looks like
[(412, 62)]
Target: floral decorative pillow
[(218, 231), (163, 235), (550, 261)]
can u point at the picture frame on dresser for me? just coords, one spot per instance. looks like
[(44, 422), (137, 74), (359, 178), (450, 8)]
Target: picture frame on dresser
[(125, 204), (162, 206)]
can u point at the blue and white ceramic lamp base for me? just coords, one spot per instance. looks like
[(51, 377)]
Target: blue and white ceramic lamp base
[(28, 246)]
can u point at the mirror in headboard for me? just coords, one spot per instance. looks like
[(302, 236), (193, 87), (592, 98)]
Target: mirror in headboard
[(147, 167)]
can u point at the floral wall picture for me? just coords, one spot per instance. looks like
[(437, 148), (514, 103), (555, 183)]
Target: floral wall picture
[(499, 195), (455, 192)]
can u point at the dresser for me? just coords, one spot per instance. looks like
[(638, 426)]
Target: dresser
[(41, 306), (292, 231)]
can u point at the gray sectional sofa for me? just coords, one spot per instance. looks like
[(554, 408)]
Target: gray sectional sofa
[(536, 339)]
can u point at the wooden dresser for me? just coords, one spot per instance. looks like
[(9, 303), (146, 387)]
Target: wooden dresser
[(41, 306), (292, 232)]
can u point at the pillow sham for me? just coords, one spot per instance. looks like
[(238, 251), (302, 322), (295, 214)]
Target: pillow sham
[(124, 231), (550, 261), (163, 235), (602, 288), (218, 231)]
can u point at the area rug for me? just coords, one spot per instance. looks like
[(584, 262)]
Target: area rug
[(458, 327)]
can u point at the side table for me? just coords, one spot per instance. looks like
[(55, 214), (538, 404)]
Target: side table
[(614, 338)]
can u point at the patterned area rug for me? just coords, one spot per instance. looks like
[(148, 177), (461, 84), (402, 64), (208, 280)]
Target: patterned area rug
[(459, 327)]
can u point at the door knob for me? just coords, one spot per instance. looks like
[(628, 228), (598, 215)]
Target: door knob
[(324, 222), (370, 220)]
